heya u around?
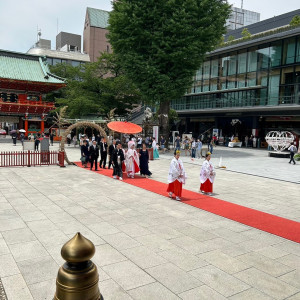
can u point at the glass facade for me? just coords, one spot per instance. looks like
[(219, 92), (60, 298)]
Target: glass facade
[(241, 17), (54, 61), (264, 75)]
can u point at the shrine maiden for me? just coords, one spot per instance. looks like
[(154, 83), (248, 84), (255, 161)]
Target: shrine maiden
[(176, 177), (207, 175), (132, 160)]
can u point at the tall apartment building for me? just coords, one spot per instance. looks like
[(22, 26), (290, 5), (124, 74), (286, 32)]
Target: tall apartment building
[(94, 33), (241, 17)]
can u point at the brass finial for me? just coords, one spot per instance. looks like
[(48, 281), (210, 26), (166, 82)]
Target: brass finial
[(78, 278), (78, 249)]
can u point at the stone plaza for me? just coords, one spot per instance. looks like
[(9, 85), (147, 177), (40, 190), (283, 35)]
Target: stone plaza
[(147, 245)]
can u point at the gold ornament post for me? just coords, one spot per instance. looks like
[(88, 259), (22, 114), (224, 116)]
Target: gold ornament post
[(78, 278)]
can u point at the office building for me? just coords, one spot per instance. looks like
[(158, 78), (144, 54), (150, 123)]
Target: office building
[(71, 40), (241, 17), (68, 50), (255, 81), (94, 33)]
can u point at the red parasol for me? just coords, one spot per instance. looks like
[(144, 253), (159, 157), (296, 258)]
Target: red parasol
[(124, 127)]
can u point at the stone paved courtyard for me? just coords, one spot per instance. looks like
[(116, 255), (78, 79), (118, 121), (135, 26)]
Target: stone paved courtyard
[(148, 246)]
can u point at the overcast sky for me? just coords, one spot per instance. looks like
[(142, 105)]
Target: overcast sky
[(20, 19)]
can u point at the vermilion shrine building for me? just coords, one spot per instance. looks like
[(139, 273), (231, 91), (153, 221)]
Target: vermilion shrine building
[(24, 79)]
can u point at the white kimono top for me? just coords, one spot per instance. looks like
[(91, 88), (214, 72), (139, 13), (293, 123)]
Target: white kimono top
[(176, 171), (130, 157), (206, 170)]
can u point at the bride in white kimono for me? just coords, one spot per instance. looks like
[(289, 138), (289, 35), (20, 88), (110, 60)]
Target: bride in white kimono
[(176, 177), (132, 160), (207, 175)]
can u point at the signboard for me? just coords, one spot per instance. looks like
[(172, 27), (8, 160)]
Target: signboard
[(28, 145), (155, 132), (45, 144), (215, 132)]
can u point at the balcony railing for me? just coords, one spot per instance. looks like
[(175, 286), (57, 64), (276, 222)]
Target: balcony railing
[(27, 102), (233, 103)]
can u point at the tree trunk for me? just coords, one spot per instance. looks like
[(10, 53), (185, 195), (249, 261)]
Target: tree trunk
[(163, 117)]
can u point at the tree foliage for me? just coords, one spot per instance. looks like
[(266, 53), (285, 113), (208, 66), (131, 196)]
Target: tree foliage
[(246, 33), (295, 21), (161, 43), (95, 88)]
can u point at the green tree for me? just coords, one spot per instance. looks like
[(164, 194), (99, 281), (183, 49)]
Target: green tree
[(295, 21), (95, 88), (246, 33), (161, 43)]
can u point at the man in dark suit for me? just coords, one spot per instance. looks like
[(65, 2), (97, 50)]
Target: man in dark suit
[(94, 154), (111, 149), (85, 153), (103, 151), (117, 160)]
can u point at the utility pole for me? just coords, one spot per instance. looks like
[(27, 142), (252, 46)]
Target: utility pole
[(242, 4)]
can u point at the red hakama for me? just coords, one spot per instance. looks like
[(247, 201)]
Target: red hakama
[(206, 187), (175, 187)]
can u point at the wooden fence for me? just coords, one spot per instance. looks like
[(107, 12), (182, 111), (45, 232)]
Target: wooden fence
[(31, 158)]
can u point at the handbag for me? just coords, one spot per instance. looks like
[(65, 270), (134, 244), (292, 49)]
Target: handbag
[(82, 159)]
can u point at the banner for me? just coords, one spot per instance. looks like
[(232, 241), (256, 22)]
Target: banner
[(155, 132)]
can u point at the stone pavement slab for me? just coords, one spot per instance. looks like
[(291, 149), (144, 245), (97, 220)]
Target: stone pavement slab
[(148, 246)]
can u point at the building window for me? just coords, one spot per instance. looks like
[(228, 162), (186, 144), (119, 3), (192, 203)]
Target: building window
[(214, 68), (242, 62), (50, 61), (252, 60), (263, 58), (275, 54), (274, 80), (289, 51)]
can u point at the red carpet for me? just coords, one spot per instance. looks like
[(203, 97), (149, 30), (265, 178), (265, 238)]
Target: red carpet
[(285, 228)]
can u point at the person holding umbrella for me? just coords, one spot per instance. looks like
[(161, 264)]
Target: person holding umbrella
[(14, 137)]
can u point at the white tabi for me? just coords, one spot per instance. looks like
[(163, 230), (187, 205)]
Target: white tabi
[(207, 172), (132, 162), (176, 171)]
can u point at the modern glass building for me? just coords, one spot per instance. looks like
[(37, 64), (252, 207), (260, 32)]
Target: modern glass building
[(256, 81), (241, 17)]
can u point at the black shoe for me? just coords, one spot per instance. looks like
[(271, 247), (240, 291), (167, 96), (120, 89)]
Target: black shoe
[(96, 169), (104, 167), (100, 167)]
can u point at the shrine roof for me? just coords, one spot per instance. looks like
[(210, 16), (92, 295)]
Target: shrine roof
[(98, 17), (26, 67)]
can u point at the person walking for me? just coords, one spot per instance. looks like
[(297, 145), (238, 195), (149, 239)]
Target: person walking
[(162, 144), (103, 150), (117, 161), (144, 161), (94, 154), (155, 150), (176, 177), (199, 149), (211, 146), (51, 138), (85, 153), (177, 143), (69, 137), (132, 160), (111, 149), (293, 150), (207, 175), (36, 143), (246, 141), (193, 148)]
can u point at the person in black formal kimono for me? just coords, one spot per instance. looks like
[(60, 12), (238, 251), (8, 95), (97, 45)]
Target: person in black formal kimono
[(103, 151), (94, 154), (117, 160), (111, 149)]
